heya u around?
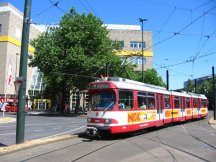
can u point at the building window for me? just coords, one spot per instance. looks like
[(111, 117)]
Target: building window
[(135, 44), (0, 28), (137, 60)]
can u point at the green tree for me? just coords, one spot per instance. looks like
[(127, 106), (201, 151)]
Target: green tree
[(150, 77), (73, 54), (190, 87), (207, 88)]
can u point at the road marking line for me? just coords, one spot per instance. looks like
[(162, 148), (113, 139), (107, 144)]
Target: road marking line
[(6, 134), (65, 132), (39, 130)]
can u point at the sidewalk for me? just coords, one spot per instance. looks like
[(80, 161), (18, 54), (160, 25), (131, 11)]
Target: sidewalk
[(34, 143), (212, 122)]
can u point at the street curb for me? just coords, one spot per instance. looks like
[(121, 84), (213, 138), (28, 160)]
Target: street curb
[(33, 143), (212, 121), (7, 119)]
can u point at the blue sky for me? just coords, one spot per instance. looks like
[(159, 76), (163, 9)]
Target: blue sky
[(184, 31)]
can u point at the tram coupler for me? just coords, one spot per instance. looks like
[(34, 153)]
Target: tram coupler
[(91, 131)]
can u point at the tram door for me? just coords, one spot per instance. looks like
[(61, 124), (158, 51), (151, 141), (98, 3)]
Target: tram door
[(182, 106), (160, 106)]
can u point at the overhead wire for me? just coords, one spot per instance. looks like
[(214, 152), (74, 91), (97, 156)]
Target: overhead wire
[(57, 5), (90, 7), (84, 5), (84, 76), (181, 30), (201, 36), (208, 37), (202, 5), (45, 10), (166, 21)]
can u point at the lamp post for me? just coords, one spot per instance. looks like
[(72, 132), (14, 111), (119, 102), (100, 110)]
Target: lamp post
[(20, 127), (141, 20)]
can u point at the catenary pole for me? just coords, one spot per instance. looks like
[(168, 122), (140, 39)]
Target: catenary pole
[(213, 88), (141, 20), (20, 127), (167, 80), (195, 84)]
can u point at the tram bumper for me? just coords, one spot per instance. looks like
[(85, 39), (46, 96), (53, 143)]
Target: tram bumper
[(92, 131)]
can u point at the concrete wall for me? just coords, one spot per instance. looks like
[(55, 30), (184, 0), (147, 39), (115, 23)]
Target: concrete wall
[(11, 20)]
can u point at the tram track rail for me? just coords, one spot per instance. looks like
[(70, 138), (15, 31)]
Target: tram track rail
[(74, 145), (198, 139), (178, 149)]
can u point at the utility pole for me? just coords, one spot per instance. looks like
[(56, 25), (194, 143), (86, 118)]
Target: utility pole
[(195, 84), (141, 20), (167, 79), (20, 127), (213, 87)]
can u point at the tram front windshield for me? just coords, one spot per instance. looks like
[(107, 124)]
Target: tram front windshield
[(102, 100)]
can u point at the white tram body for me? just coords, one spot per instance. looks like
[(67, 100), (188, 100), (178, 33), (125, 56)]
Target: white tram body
[(121, 105)]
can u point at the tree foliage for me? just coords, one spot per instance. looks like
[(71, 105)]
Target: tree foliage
[(205, 88), (190, 87), (74, 54), (150, 77)]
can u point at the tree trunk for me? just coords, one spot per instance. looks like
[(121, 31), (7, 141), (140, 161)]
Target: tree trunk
[(63, 97), (77, 103)]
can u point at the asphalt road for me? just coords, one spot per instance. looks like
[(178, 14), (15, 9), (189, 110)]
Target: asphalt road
[(188, 142), (37, 127)]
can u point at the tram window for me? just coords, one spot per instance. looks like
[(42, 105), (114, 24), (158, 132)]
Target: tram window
[(151, 101), (195, 102), (167, 101), (203, 102), (125, 99), (142, 100), (102, 100), (188, 102), (176, 102)]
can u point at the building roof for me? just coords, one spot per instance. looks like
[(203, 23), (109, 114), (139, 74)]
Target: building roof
[(122, 27)]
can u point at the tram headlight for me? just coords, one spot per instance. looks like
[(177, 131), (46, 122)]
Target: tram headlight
[(107, 121)]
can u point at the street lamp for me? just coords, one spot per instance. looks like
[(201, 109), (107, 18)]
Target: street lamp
[(141, 20)]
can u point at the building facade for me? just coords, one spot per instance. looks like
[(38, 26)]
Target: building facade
[(11, 22), (130, 38)]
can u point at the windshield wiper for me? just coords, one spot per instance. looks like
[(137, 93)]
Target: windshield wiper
[(109, 106)]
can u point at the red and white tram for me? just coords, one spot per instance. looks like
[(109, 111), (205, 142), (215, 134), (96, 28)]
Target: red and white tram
[(121, 105)]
